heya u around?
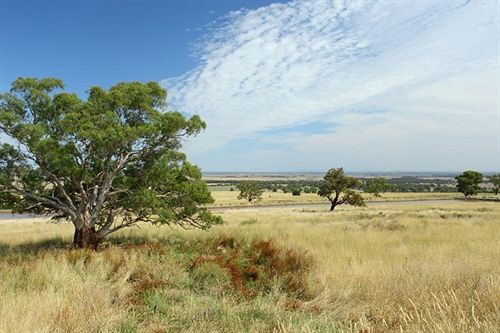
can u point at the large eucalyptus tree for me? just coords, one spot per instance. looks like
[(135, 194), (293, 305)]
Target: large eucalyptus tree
[(104, 163)]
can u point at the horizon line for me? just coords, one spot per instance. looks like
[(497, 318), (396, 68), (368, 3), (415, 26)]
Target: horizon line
[(355, 171)]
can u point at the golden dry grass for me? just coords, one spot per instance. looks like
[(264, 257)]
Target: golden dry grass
[(385, 268), (229, 198)]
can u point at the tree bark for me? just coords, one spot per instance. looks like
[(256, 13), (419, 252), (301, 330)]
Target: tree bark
[(334, 201), (86, 238)]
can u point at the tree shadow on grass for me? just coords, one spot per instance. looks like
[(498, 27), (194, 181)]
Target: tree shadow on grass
[(35, 247), (60, 243)]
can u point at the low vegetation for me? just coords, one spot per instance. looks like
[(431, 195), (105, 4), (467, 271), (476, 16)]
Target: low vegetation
[(385, 268)]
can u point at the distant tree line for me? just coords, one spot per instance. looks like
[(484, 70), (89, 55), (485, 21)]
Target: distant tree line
[(378, 185)]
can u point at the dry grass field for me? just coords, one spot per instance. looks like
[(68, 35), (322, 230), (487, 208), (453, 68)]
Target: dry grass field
[(229, 198), (421, 267)]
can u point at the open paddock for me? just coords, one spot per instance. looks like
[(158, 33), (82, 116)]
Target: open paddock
[(388, 267)]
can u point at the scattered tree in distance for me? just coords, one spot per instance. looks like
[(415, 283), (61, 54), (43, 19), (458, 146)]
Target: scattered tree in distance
[(104, 163), (468, 182), (296, 190), (250, 190), (495, 180), (377, 186), (339, 189)]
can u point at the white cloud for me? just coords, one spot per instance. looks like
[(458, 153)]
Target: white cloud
[(431, 66)]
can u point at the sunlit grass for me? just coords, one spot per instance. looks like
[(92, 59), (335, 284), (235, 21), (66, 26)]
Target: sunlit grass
[(389, 267), (229, 198)]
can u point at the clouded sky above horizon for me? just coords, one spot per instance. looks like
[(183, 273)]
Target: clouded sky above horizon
[(309, 85)]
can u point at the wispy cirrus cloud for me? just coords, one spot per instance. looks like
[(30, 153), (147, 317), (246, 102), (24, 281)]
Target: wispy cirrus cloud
[(385, 76)]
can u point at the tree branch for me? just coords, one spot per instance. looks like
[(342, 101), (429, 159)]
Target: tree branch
[(56, 204)]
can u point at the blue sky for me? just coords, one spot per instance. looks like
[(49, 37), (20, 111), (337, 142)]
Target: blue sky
[(88, 43), (291, 85)]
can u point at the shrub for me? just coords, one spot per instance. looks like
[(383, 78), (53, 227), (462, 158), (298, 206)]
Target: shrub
[(256, 267)]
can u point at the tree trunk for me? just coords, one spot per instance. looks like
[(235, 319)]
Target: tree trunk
[(334, 202), (86, 238)]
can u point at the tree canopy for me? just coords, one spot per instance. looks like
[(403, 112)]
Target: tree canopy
[(339, 189), (250, 190), (104, 163), (468, 182), (377, 186), (495, 180)]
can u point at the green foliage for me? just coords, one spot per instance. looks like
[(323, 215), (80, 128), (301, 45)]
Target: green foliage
[(271, 187), (310, 189), (250, 190), (114, 154), (339, 189), (468, 182), (377, 186), (296, 190), (398, 183), (495, 180)]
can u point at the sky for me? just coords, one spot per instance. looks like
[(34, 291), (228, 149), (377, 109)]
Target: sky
[(287, 86)]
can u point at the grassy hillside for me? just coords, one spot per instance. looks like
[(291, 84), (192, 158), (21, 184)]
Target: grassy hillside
[(415, 267)]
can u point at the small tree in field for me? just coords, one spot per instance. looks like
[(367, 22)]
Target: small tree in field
[(104, 163), (468, 182), (377, 186), (295, 189), (495, 180), (339, 189), (250, 190)]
